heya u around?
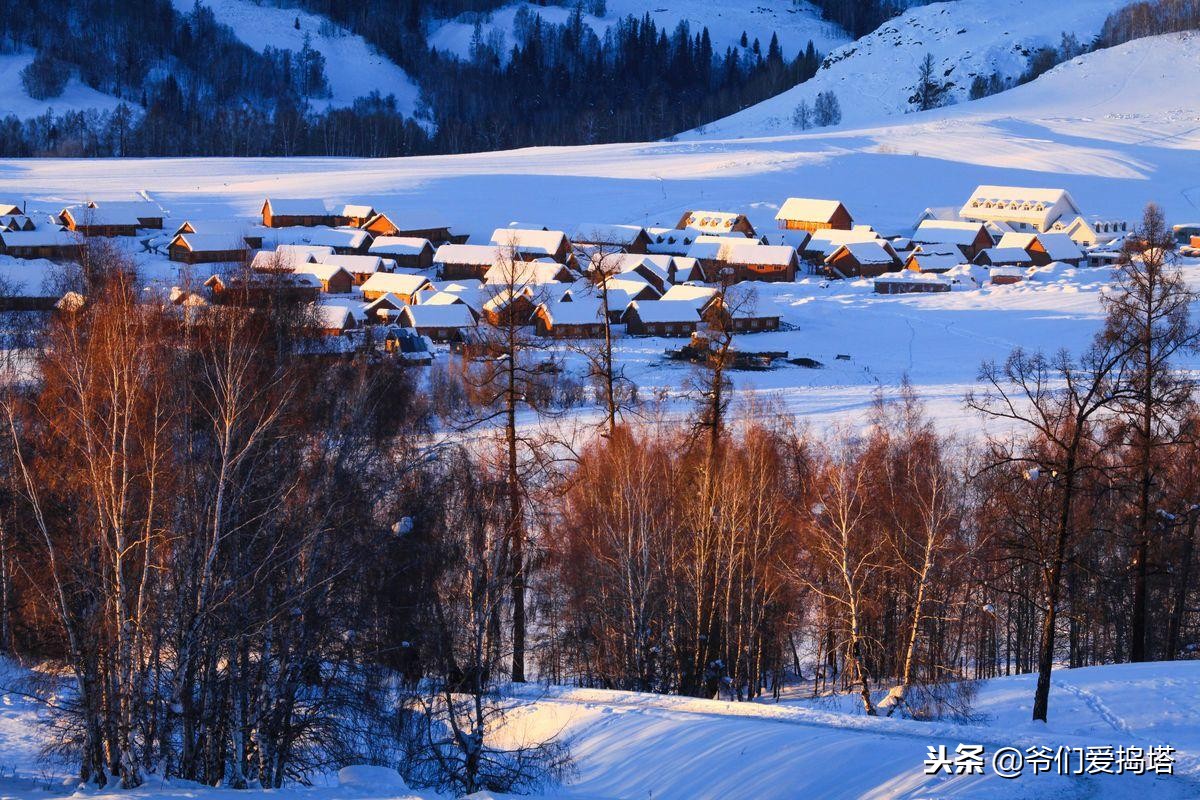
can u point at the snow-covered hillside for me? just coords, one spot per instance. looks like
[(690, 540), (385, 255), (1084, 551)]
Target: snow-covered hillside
[(794, 23), (354, 68), (875, 76), (76, 96)]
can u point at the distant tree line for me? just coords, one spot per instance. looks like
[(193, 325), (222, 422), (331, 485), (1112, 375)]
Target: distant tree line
[(1149, 18)]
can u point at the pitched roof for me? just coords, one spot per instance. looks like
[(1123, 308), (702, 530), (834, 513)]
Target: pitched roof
[(322, 272), (827, 241), (698, 296), (114, 215), (1002, 254), (523, 272), (1060, 247), (1016, 202), (332, 316), (756, 254), (39, 237), (808, 209), (355, 210)]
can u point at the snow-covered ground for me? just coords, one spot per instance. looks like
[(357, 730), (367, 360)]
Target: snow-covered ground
[(875, 76), (354, 68), (794, 23), (76, 96), (628, 745)]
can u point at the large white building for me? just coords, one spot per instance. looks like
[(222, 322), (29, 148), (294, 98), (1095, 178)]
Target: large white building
[(1024, 209)]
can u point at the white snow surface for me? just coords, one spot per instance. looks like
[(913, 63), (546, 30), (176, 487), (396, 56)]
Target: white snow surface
[(353, 67), (629, 745), (794, 23), (76, 96), (1137, 142), (875, 76)]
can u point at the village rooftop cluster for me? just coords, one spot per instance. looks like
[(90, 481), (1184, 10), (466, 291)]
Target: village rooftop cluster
[(360, 266)]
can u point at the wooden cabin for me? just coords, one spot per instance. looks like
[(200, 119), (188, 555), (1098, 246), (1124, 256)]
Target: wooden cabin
[(743, 318), (1004, 257), (441, 323), (105, 222), (862, 260), (299, 212), (1043, 248), (806, 214), (661, 318), (356, 215), (530, 244), (360, 267), (56, 245), (505, 307), (971, 237), (17, 222), (751, 262), (409, 252), (335, 320), (333, 279), (1005, 276), (401, 284), (455, 262), (934, 258), (721, 223), (259, 290), (581, 318), (210, 248)]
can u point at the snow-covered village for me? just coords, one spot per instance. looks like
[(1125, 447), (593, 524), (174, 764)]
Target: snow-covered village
[(599, 400)]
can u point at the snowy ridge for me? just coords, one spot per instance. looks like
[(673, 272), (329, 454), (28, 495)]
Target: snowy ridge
[(875, 76), (794, 23)]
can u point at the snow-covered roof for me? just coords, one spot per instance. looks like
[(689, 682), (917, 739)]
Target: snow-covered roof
[(523, 272), (698, 296), (355, 210), (604, 233), (528, 240), (826, 241), (333, 316), (937, 261), (997, 255), (754, 253), (578, 311), (39, 237), (28, 277), (352, 238), (297, 207), (1018, 202), (808, 209), (632, 283), (453, 315), (465, 285), (942, 231), (396, 283), (322, 272), (665, 310), (1060, 247), (10, 209), (360, 265), (106, 215), (384, 301), (399, 245), (910, 276), (476, 254)]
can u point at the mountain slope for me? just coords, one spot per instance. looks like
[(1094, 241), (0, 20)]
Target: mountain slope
[(875, 76)]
